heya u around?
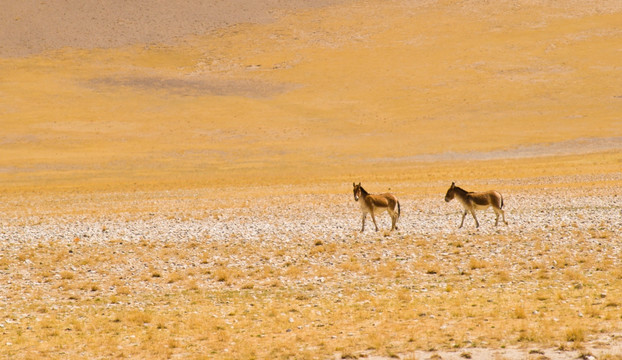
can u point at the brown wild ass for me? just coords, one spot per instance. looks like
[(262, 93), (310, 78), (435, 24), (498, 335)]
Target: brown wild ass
[(377, 203), (472, 201)]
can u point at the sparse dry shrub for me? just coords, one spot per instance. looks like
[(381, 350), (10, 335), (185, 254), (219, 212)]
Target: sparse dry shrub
[(543, 274), (324, 249), (281, 252), (84, 285), (247, 286), (388, 269), (205, 258), (604, 264), (46, 274), (4, 263), (375, 340), (575, 334), (573, 275), (294, 271), (137, 316), (24, 254), (563, 259), (123, 290), (475, 263), (49, 322), (227, 274), (66, 285), (591, 310), (432, 268), (275, 283), (66, 275), (222, 274), (404, 296), (191, 284), (527, 335), (601, 233), (538, 264), (173, 343), (502, 276), (316, 250), (519, 312), (264, 272), (174, 277), (352, 265), (457, 243)]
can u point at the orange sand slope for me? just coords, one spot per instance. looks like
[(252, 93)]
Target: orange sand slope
[(359, 89)]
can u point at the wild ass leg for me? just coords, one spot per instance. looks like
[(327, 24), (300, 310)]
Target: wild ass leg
[(475, 217), (393, 216), (373, 217), (500, 211), (397, 217), (364, 216), (462, 222)]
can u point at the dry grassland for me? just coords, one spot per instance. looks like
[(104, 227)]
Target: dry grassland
[(193, 199), (193, 276)]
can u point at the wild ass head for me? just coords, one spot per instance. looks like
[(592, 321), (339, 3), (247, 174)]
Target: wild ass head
[(450, 192), (357, 191)]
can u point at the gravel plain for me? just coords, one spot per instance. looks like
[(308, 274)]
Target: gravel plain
[(560, 240), (191, 215)]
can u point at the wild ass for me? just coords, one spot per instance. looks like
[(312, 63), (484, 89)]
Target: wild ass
[(472, 201), (377, 203)]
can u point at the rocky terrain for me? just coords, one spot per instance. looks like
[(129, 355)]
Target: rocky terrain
[(184, 215), (547, 283)]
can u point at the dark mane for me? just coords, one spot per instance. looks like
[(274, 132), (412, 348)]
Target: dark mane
[(363, 191), (460, 190)]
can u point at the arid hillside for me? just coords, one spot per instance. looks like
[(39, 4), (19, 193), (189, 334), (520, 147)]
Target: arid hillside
[(358, 89)]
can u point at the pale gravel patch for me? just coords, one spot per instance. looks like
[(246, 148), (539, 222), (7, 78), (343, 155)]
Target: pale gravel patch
[(569, 147), (314, 217), (30, 26)]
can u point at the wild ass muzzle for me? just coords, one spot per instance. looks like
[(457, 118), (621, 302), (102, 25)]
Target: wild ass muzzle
[(472, 201), (373, 204)]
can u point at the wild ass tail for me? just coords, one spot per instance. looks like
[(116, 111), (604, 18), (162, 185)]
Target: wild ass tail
[(399, 211)]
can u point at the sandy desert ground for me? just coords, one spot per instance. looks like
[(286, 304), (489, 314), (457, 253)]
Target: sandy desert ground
[(176, 179)]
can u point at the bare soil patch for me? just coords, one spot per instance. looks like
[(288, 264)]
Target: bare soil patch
[(197, 86), (30, 26), (569, 147)]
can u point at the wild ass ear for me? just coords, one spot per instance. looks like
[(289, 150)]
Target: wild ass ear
[(453, 184), (359, 183), (353, 185)]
